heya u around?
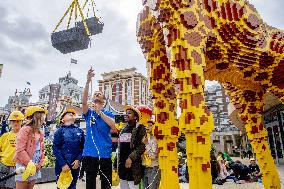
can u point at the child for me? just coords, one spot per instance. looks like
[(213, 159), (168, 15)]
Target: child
[(151, 178), (29, 146), (131, 147), (8, 149), (68, 146)]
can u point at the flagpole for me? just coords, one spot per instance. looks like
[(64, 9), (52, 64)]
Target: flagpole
[(70, 66)]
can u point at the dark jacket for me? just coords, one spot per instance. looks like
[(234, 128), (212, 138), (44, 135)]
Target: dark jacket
[(241, 171), (134, 151), (68, 146), (254, 168)]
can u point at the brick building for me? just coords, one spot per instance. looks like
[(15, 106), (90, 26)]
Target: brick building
[(125, 87)]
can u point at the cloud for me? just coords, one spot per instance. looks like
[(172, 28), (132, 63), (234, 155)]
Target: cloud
[(19, 36), (271, 11), (27, 54), (20, 28), (23, 30), (11, 54)]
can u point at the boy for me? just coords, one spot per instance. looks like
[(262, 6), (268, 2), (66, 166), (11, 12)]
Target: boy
[(8, 148), (68, 146)]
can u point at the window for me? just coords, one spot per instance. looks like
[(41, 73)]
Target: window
[(117, 92), (128, 91), (107, 90), (142, 93)]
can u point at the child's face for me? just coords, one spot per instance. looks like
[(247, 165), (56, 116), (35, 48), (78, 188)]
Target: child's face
[(130, 116), (150, 126), (69, 118), (15, 125)]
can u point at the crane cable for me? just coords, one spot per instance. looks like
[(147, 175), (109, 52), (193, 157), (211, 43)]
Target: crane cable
[(74, 5)]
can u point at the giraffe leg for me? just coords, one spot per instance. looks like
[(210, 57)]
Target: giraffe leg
[(249, 103), (164, 98), (186, 36), (166, 129), (196, 123)]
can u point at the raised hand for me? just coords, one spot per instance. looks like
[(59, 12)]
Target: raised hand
[(90, 74)]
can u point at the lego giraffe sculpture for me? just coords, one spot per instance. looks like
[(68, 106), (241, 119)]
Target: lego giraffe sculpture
[(163, 77), (188, 41)]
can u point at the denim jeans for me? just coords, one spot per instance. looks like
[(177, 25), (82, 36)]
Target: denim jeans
[(152, 177)]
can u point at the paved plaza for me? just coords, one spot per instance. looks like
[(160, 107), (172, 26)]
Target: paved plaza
[(227, 185)]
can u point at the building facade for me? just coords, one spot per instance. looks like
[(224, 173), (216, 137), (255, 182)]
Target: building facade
[(274, 123), (125, 87), (19, 101), (225, 136), (59, 96)]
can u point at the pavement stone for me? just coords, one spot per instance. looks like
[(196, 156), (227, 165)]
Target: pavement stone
[(227, 185)]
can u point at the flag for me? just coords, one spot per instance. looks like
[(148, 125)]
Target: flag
[(28, 83), (73, 61), (1, 68)]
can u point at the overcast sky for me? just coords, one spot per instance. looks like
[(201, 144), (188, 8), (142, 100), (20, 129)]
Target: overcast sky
[(27, 54)]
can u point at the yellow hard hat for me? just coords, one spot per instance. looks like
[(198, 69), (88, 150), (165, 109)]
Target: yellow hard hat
[(32, 109), (128, 107), (65, 179), (29, 171), (70, 110), (146, 114), (16, 116)]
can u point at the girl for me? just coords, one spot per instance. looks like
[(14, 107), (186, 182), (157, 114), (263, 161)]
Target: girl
[(29, 146), (8, 149)]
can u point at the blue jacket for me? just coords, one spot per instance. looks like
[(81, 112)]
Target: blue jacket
[(68, 145)]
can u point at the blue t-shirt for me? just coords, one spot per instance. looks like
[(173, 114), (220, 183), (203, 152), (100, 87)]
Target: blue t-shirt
[(98, 141)]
